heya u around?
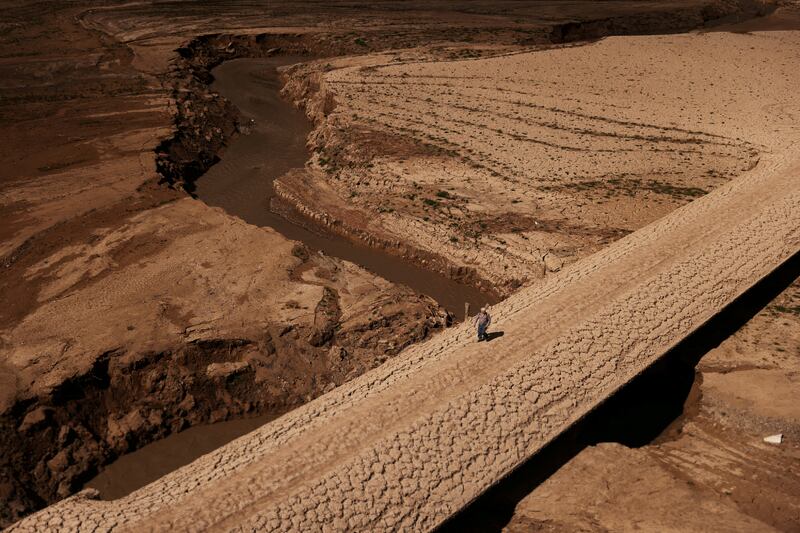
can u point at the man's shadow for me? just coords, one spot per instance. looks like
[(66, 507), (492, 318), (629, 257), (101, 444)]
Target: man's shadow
[(494, 335)]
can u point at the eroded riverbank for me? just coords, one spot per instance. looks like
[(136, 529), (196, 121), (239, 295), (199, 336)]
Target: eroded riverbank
[(242, 182)]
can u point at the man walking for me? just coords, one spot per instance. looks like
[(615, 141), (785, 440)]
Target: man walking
[(482, 321)]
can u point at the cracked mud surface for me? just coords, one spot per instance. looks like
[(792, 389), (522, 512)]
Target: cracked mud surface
[(413, 441)]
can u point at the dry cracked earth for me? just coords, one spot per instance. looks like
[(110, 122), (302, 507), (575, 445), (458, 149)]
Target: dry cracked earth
[(621, 192)]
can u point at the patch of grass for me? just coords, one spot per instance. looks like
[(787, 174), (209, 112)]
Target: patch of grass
[(430, 202), (443, 194), (360, 41), (673, 190), (794, 310)]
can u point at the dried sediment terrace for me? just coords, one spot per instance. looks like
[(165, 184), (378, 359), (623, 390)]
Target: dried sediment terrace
[(514, 167), (412, 442)]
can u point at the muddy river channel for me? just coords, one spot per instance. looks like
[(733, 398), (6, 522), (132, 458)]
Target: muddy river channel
[(241, 184)]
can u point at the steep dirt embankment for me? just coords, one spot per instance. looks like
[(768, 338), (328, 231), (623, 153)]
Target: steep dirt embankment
[(409, 444), (711, 468), (258, 328), (206, 122), (137, 319), (131, 320)]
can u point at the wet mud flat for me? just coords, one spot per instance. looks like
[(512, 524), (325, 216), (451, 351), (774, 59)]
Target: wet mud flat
[(242, 182)]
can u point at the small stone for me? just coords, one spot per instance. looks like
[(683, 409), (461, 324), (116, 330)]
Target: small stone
[(36, 418), (225, 370), (59, 462)]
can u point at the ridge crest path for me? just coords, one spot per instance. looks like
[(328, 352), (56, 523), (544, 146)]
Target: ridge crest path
[(412, 442)]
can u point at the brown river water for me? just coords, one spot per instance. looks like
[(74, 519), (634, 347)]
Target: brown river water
[(241, 184)]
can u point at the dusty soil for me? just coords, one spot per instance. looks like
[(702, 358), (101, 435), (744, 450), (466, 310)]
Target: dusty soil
[(131, 311), (180, 316), (275, 143)]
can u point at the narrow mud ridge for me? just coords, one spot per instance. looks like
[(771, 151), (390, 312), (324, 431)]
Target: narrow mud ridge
[(649, 409), (241, 183)]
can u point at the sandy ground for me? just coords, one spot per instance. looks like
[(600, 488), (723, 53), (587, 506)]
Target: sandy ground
[(131, 311), (406, 445)]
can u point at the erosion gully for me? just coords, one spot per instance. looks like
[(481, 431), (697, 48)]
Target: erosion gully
[(241, 184)]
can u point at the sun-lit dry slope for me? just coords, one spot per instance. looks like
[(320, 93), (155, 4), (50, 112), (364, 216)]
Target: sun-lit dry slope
[(519, 164), (413, 441)]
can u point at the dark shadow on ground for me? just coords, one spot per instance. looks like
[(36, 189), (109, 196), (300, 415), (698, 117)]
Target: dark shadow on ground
[(635, 416), (494, 335)]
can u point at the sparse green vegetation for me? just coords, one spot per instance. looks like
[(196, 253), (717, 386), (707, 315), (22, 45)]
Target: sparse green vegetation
[(793, 310)]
